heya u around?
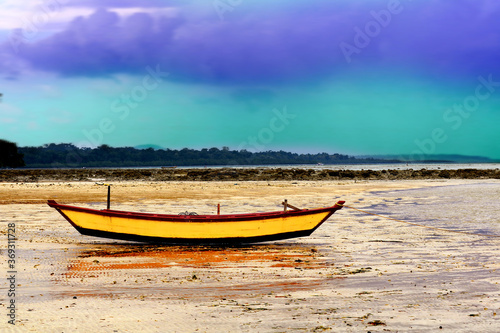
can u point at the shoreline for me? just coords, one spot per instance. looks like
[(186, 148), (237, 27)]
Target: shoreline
[(238, 174)]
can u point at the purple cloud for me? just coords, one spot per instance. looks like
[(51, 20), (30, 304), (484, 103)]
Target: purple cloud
[(460, 37), (258, 43), (101, 44), (120, 3)]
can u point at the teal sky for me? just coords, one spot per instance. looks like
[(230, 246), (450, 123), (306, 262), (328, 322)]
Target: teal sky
[(258, 78)]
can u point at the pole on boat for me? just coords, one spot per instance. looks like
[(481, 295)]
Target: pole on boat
[(285, 204), (218, 209), (109, 196), (109, 193)]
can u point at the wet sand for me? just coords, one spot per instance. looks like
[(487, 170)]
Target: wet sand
[(355, 273)]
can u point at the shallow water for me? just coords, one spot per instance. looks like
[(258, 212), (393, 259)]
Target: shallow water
[(471, 208), (384, 166)]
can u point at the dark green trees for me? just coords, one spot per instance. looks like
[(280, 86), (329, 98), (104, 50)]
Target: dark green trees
[(9, 157)]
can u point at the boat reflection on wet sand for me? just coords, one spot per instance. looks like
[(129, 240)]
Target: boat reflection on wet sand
[(195, 271)]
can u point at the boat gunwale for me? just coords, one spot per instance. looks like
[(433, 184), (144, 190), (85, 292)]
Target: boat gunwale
[(196, 218)]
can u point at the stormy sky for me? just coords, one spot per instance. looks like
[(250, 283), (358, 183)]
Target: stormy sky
[(356, 77)]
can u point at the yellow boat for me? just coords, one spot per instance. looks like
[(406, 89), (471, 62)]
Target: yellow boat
[(196, 229)]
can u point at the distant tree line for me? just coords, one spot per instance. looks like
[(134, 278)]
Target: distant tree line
[(68, 155)]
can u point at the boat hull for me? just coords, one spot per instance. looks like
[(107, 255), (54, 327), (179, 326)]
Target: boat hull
[(197, 229)]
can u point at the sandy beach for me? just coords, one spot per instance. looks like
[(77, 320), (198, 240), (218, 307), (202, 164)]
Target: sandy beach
[(356, 273)]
